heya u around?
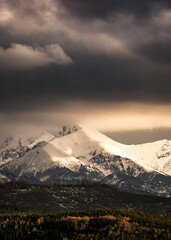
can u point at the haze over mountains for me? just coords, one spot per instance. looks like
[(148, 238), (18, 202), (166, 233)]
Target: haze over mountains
[(77, 153)]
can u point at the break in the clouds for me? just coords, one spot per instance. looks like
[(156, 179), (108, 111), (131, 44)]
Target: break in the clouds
[(19, 56)]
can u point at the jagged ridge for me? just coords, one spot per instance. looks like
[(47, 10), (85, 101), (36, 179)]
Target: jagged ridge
[(78, 153)]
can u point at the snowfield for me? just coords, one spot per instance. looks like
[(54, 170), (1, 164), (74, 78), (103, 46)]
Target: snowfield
[(154, 156), (78, 153)]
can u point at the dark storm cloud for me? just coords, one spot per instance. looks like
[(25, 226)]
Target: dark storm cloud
[(120, 51), (105, 8), (158, 51), (91, 79)]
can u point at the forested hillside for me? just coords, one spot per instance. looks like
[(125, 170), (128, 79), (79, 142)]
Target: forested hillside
[(19, 196), (99, 224)]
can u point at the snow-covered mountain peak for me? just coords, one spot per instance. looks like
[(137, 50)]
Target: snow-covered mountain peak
[(165, 150), (45, 137), (81, 152), (13, 147), (105, 142), (85, 141), (66, 130)]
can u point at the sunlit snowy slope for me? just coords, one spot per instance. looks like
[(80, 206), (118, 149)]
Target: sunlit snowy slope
[(83, 153)]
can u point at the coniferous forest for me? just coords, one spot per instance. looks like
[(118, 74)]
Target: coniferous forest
[(53, 212), (97, 224)]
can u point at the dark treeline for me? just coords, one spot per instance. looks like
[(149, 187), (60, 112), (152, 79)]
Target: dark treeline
[(21, 183), (96, 224)]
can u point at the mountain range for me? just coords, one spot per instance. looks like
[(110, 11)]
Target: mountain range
[(78, 153)]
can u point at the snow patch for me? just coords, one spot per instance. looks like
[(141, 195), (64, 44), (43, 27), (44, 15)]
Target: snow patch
[(69, 162), (45, 137)]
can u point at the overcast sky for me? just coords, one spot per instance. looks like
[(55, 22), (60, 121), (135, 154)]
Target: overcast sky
[(106, 63)]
